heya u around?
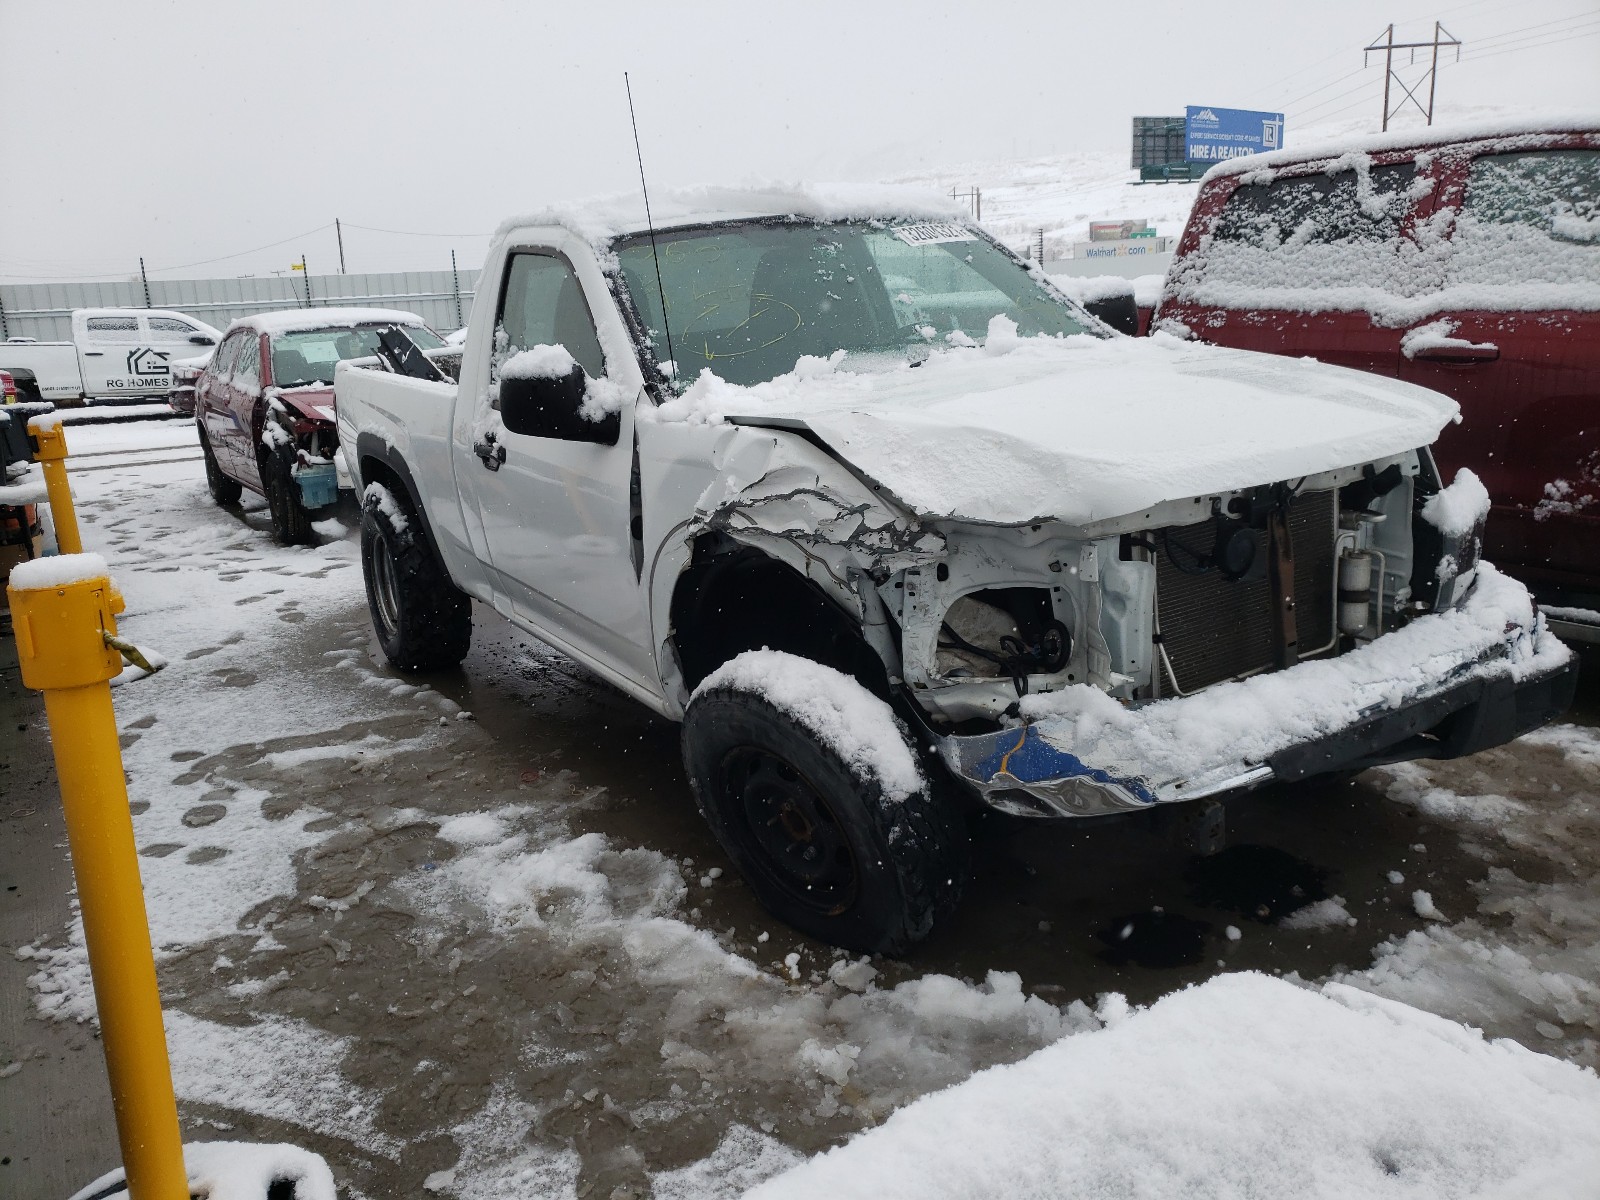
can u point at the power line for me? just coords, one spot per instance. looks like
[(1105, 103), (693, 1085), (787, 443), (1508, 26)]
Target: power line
[(1560, 40), (1548, 37), (1583, 17), (411, 232), (224, 258)]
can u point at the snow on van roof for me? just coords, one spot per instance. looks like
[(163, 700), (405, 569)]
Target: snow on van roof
[(301, 320), (601, 219), (1526, 127)]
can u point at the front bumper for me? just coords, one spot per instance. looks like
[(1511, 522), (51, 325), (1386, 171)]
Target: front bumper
[(1444, 696)]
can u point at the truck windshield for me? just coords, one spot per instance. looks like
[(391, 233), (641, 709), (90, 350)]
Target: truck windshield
[(308, 357), (747, 300)]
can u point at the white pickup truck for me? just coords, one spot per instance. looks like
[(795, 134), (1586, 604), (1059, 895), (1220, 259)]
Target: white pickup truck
[(893, 528), (114, 354)]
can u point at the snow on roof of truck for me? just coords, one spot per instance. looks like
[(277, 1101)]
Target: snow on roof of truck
[(1526, 130), (601, 219), (302, 320)]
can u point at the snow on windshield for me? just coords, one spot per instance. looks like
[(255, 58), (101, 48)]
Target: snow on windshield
[(750, 300)]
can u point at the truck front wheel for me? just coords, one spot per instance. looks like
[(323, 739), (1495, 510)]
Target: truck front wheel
[(821, 845), (423, 621), (291, 523)]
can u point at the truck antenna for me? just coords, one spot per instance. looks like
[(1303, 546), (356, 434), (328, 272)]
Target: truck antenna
[(651, 226)]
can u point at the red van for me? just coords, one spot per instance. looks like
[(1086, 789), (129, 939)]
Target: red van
[(1467, 261)]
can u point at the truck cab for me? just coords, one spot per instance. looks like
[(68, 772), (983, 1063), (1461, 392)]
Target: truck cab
[(115, 354)]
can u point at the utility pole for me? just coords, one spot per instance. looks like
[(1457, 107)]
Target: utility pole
[(144, 279), (339, 230), (1441, 37), (306, 271), (455, 283)]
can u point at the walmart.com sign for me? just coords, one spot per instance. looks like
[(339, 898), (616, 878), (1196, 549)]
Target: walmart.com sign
[(1215, 134)]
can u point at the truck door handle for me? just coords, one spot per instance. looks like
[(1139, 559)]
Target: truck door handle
[(94, 353), (1463, 356), (491, 453)]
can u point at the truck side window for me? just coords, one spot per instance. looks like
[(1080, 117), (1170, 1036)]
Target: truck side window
[(543, 305), (222, 364), (170, 329), (110, 329), (247, 374), (1530, 218), (1312, 231)]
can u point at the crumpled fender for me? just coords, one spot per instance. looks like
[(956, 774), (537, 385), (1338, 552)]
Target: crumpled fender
[(307, 404)]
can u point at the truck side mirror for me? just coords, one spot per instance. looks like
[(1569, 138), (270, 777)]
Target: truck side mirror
[(547, 406), (203, 339), (1118, 311)]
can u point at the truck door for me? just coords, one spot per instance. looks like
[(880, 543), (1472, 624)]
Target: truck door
[(243, 389), (109, 353), (1303, 264), (556, 507), (178, 337), (211, 393), (1517, 344)]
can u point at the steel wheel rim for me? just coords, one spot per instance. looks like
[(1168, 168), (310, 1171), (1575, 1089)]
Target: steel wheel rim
[(796, 838), (385, 587)]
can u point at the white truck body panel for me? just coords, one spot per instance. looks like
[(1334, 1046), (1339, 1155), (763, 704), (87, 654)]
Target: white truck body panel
[(115, 353)]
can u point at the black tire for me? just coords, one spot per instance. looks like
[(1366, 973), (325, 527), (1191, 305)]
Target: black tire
[(291, 523), (423, 621), (224, 491), (775, 795)]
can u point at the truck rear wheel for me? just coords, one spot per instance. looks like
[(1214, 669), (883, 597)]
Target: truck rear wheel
[(819, 843), (423, 621), (224, 491)]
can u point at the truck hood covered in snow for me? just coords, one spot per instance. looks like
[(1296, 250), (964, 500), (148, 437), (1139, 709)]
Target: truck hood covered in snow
[(1080, 429)]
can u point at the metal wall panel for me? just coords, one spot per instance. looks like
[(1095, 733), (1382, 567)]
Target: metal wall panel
[(44, 310)]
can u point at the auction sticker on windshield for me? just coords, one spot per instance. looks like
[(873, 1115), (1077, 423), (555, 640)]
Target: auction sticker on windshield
[(929, 232)]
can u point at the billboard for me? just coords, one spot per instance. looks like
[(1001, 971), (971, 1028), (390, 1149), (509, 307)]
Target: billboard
[(1215, 134), (1157, 141)]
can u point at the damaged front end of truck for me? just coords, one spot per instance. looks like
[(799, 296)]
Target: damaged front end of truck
[(1198, 647)]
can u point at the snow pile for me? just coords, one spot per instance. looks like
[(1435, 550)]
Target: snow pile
[(851, 721), (1082, 428), (539, 362), (1457, 510), (25, 486), (827, 1042), (601, 219), (1436, 336), (1526, 962), (379, 495), (307, 320), (1219, 732), (283, 1069), (238, 1171), (601, 397), (1244, 1085), (60, 570)]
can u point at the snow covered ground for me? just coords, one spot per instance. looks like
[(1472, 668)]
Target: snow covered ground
[(495, 953)]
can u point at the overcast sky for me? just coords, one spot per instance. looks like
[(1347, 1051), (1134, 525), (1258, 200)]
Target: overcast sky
[(188, 130)]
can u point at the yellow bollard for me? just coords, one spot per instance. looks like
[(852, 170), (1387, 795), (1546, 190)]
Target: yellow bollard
[(63, 609), (52, 456)]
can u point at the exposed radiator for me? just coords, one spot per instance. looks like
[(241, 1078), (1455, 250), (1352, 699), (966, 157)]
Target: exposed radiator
[(1213, 629)]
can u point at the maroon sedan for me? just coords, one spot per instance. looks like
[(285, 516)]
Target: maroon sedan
[(1467, 262), (264, 406)]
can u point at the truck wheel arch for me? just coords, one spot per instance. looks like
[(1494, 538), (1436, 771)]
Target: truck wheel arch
[(732, 598), (379, 462)]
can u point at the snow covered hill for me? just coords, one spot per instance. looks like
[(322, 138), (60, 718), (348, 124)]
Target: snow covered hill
[(1061, 194)]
